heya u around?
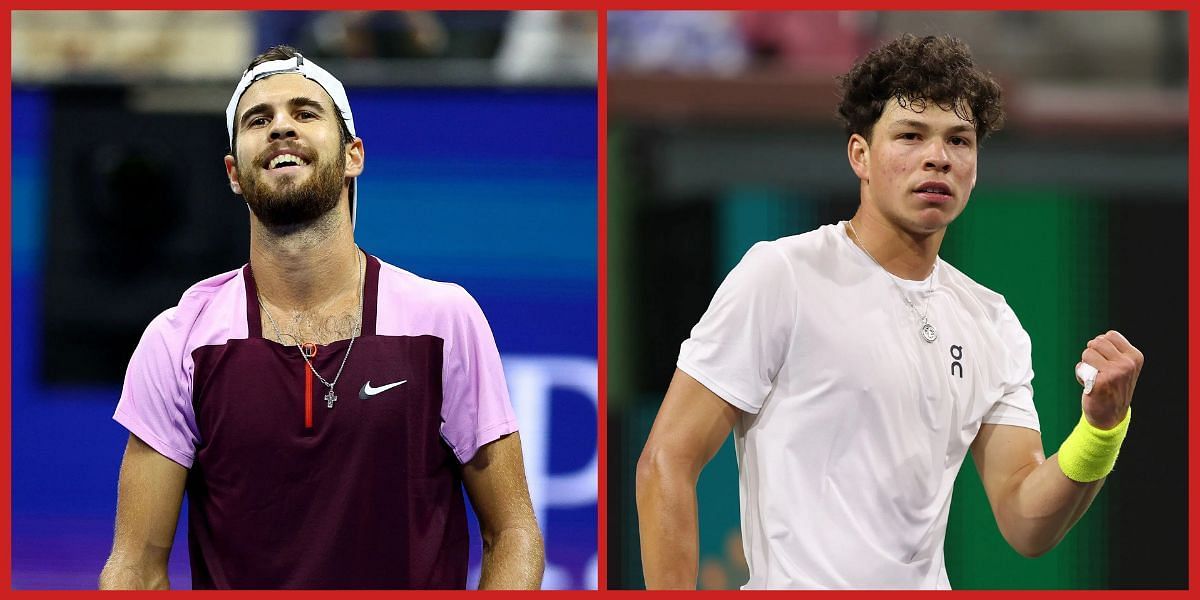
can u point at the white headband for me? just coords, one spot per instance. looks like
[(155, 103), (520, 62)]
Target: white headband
[(301, 66), (298, 65)]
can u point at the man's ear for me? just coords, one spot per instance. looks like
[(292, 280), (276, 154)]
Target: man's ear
[(355, 158), (231, 173), (858, 150)]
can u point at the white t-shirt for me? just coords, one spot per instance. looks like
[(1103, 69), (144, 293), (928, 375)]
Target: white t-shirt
[(854, 427)]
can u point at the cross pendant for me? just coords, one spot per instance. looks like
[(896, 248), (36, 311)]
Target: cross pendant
[(330, 398)]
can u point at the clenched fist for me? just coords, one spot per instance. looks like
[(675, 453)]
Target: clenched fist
[(1118, 364)]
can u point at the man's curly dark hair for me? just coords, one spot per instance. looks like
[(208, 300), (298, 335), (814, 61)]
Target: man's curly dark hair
[(916, 70)]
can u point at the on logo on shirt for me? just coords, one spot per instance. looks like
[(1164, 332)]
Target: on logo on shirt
[(956, 353)]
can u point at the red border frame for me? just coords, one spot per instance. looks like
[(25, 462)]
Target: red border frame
[(602, 298), (6, 328), (1193, 329)]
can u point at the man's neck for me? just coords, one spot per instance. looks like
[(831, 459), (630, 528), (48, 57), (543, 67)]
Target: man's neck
[(306, 267), (901, 253)]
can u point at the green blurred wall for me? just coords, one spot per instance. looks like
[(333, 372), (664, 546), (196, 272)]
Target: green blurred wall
[(1043, 251)]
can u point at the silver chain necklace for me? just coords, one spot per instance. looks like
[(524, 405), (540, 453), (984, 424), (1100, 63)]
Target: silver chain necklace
[(330, 397), (928, 331)]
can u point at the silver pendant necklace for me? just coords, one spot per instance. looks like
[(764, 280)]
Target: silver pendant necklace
[(330, 396), (928, 331)]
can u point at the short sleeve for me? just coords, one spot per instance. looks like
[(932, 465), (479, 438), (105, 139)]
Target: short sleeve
[(475, 406), (155, 402), (739, 346), (1015, 405)]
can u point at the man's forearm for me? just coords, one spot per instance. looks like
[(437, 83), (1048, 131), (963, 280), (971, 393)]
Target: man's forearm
[(1042, 507), (514, 559), (666, 505)]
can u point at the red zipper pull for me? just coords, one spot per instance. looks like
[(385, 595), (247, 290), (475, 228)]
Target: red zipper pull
[(310, 350)]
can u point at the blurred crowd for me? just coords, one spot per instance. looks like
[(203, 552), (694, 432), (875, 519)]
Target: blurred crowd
[(555, 45), (518, 45), (1059, 45), (728, 43)]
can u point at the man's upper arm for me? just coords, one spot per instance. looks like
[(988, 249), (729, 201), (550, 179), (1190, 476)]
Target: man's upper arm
[(1003, 454), (691, 425), (149, 495), (495, 482), (742, 341), (476, 409), (1009, 444)]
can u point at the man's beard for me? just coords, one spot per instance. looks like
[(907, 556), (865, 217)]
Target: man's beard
[(290, 202)]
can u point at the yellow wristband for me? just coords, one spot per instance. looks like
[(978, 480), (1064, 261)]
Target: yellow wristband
[(1088, 454)]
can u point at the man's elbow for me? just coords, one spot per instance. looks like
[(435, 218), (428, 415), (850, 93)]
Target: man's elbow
[(530, 544), (646, 471), (514, 558), (1031, 551), (122, 575), (524, 536), (1030, 544), (531, 538), (667, 464), (652, 466)]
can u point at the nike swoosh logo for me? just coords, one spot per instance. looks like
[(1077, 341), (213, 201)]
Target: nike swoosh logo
[(367, 391)]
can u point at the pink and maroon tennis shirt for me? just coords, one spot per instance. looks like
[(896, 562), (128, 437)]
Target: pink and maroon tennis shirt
[(286, 493)]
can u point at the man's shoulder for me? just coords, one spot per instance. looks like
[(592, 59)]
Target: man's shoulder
[(818, 250), (953, 276), (206, 289), (992, 301), (412, 288), (410, 303), (820, 239), (225, 289), (209, 304)]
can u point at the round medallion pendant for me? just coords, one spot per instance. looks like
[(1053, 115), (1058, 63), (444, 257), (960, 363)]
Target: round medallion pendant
[(929, 333)]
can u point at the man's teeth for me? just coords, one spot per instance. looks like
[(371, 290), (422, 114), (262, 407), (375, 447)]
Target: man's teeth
[(286, 158)]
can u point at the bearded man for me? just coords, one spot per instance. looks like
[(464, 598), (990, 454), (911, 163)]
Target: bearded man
[(322, 409)]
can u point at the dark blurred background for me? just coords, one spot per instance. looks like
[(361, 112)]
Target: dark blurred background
[(722, 132), (480, 132)]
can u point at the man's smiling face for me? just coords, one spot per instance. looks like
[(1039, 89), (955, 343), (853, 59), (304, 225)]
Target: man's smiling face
[(291, 160)]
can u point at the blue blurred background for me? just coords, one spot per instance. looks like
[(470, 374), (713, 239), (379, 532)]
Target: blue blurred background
[(480, 136)]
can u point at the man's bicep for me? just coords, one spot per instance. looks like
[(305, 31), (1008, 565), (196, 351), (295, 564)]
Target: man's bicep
[(691, 425), (149, 495), (1003, 454), (495, 482)]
